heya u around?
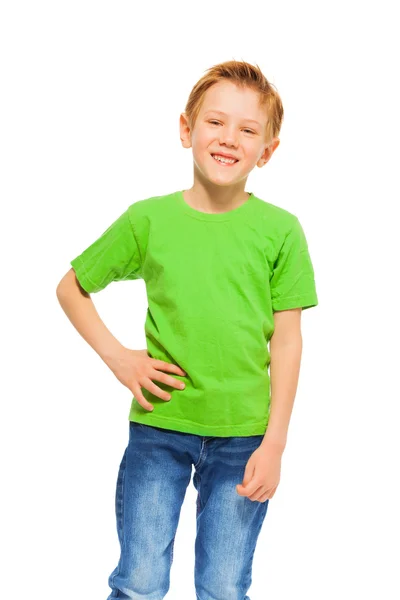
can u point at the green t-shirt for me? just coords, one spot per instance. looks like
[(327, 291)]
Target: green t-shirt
[(213, 282)]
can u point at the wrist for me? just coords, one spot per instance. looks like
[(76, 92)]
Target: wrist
[(274, 444), (112, 353)]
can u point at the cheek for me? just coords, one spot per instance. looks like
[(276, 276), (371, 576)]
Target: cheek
[(254, 155), (252, 150), (201, 145), (203, 140)]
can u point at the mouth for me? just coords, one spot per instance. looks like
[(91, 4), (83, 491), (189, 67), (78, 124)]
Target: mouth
[(225, 162)]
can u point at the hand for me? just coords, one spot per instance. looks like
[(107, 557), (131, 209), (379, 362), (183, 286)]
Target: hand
[(135, 369), (262, 474)]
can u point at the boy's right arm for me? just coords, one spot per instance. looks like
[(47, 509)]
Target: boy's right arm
[(81, 311), (133, 368)]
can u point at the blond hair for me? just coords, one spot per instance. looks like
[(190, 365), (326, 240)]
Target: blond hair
[(242, 74)]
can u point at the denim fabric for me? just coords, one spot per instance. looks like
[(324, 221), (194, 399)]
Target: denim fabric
[(153, 476)]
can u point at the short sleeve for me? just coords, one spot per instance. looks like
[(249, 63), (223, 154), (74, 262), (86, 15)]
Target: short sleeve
[(292, 282), (114, 256)]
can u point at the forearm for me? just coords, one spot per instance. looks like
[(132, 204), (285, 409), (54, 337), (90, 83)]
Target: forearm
[(284, 376), (80, 310)]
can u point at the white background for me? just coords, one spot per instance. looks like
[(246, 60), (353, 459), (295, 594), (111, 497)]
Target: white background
[(90, 103)]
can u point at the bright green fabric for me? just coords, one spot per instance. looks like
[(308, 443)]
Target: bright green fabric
[(213, 282)]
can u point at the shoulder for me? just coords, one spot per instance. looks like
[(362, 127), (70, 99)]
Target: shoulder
[(149, 212), (149, 206), (276, 219)]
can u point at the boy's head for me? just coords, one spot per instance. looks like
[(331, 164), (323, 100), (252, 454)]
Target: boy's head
[(232, 110)]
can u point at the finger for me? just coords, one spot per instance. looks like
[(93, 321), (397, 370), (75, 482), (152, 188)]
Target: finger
[(251, 488), (167, 379), (256, 492), (263, 498), (166, 366), (244, 491), (136, 391), (265, 494), (154, 389)]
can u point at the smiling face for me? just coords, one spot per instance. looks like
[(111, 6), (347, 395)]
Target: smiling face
[(230, 122)]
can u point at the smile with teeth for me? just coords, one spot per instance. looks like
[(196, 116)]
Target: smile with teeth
[(224, 160)]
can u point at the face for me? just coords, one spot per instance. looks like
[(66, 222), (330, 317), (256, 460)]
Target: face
[(230, 121)]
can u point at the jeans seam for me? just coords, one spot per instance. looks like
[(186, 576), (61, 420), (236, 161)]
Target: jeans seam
[(198, 496), (120, 515), (202, 454), (249, 570), (172, 551)]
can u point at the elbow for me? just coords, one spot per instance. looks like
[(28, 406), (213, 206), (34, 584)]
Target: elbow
[(67, 282)]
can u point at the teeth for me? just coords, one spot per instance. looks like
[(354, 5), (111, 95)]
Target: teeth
[(225, 160)]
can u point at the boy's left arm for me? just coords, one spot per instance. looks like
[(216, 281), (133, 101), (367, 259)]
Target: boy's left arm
[(285, 349), (262, 472)]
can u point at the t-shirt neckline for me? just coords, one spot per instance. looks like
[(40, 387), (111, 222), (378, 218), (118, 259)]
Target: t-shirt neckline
[(224, 216)]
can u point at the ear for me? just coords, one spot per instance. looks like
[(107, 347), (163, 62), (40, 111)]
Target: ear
[(268, 152), (184, 129)]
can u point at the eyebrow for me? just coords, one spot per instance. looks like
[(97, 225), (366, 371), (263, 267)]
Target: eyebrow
[(224, 115)]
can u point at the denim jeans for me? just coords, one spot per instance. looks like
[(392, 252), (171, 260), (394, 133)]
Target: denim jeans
[(154, 473)]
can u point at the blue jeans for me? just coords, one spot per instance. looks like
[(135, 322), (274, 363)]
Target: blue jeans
[(154, 473)]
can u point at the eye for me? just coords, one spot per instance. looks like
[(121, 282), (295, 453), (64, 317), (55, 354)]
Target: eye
[(217, 123)]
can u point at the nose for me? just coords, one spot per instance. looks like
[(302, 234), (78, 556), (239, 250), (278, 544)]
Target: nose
[(228, 136)]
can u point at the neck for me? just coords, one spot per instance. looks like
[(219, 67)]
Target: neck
[(215, 199)]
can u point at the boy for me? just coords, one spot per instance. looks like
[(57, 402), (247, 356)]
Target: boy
[(226, 273)]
